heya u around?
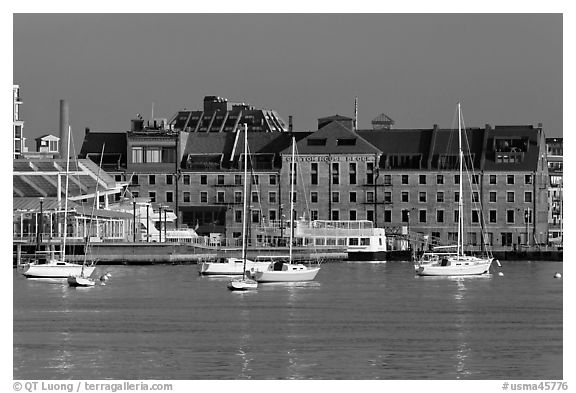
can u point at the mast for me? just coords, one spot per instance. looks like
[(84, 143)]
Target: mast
[(63, 252), (460, 249), (292, 197), (245, 199)]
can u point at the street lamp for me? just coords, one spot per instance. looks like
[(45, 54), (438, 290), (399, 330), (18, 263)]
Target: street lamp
[(40, 222)]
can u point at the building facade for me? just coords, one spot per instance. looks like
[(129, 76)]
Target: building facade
[(555, 153), (18, 140)]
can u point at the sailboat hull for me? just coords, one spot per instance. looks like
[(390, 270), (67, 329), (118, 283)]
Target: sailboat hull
[(460, 268), (242, 285), (230, 267), (55, 269), (297, 274), (79, 281)]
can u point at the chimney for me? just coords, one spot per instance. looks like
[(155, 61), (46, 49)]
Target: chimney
[(290, 123), (64, 124)]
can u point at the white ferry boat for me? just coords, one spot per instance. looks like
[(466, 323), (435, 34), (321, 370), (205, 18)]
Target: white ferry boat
[(359, 238)]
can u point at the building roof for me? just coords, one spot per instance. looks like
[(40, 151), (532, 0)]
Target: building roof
[(115, 145), (334, 138)]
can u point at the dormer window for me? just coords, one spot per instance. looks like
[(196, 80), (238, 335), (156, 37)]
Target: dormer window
[(316, 141), (346, 141)]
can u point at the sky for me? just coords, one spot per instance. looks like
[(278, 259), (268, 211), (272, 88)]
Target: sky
[(505, 69)]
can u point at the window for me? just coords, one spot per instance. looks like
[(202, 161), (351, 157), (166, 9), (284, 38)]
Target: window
[(256, 178), (387, 180), (335, 215), (186, 180), (203, 179), (313, 215), (439, 179), (387, 197), (153, 154), (220, 180), (369, 173), (510, 216), (475, 216), (510, 196), (169, 179), (506, 239), (152, 196), (272, 215), (405, 215), (370, 196), (272, 180), (475, 179), (440, 196), (186, 197), (314, 173), (404, 179), (314, 197), (510, 179), (456, 215), (456, 179), (492, 179), (294, 197), (370, 215), (387, 215), (272, 196), (237, 196), (452, 237), (238, 180), (335, 173), (151, 179), (220, 197), (255, 216), (439, 215), (255, 198), (335, 197), (422, 179), (472, 238), (203, 197), (352, 173), (237, 215), (492, 196), (492, 216), (422, 215), (422, 196), (137, 155), (169, 196), (135, 180), (475, 197), (404, 196), (528, 196), (527, 216), (457, 196), (352, 196), (352, 215), (527, 179)]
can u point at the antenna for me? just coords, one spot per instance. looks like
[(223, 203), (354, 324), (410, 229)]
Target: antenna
[(152, 116), (355, 113)]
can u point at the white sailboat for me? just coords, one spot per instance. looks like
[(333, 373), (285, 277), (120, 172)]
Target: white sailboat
[(245, 283), (281, 271), (58, 268), (458, 263), (84, 279)]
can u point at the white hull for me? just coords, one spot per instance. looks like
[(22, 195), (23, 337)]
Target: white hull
[(79, 281), (56, 269), (294, 273), (242, 284), (231, 267), (466, 267)]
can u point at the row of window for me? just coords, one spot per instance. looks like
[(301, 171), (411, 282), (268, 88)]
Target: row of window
[(335, 176), (405, 216), (150, 154)]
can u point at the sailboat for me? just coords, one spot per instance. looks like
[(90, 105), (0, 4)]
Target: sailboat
[(83, 279), (58, 268), (281, 271), (245, 283), (454, 263)]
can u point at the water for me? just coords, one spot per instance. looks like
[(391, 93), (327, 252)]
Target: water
[(356, 321)]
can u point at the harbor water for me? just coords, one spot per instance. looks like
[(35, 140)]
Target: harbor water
[(358, 321)]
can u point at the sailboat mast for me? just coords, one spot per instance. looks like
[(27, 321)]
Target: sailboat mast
[(460, 197), (244, 213), (63, 252), (292, 163)]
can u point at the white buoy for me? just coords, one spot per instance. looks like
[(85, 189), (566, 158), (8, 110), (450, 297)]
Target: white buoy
[(498, 262), (500, 274), (557, 275)]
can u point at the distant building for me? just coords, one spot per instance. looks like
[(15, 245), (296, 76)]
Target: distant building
[(554, 152), (18, 140)]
